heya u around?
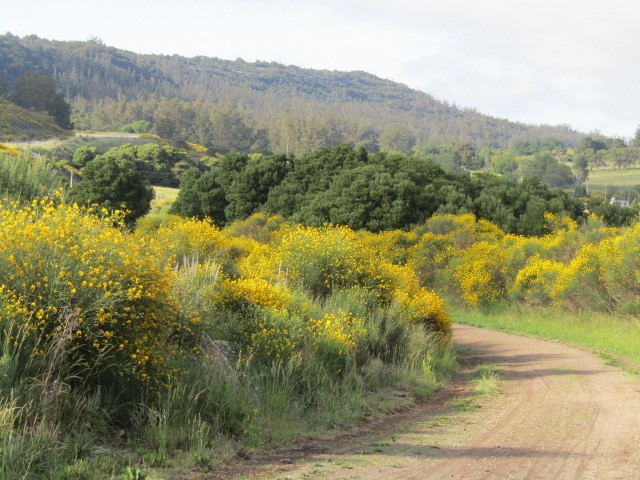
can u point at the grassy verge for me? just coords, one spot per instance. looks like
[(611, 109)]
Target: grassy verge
[(613, 337)]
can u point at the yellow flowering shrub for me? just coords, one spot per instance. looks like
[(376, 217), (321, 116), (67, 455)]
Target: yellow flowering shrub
[(63, 269), (462, 230), (259, 227), (9, 149), (321, 260), (536, 279), (197, 148), (275, 336), (335, 338), (603, 274), (620, 260), (430, 259), (253, 291), (425, 308), (192, 238), (480, 273), (392, 245), (579, 284)]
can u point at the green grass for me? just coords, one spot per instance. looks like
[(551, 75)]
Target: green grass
[(486, 386), (613, 337), (614, 180), (165, 196)]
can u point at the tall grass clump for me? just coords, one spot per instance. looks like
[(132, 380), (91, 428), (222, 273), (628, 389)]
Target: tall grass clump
[(25, 176)]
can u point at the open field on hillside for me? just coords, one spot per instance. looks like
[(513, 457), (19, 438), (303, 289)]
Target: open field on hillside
[(165, 196), (614, 180)]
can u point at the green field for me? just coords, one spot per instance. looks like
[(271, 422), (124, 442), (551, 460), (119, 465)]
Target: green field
[(165, 196), (615, 181), (613, 337)]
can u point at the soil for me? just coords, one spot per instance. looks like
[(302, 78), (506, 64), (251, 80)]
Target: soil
[(560, 414)]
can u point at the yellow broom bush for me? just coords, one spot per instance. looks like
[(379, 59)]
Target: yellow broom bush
[(65, 270)]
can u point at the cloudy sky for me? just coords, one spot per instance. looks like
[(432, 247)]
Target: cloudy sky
[(573, 62)]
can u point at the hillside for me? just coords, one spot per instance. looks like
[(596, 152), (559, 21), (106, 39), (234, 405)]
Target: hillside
[(19, 124), (262, 105)]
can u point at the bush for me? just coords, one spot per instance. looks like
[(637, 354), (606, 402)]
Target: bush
[(114, 184), (73, 282)]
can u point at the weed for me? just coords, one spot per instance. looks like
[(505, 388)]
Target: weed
[(134, 473)]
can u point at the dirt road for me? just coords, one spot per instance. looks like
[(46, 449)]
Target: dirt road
[(561, 414)]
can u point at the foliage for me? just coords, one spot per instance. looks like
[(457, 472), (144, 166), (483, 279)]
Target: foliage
[(69, 275), (84, 155), (114, 184), (348, 186), (137, 126), (575, 267), (548, 170), (186, 335), (200, 196), (36, 91), (154, 162)]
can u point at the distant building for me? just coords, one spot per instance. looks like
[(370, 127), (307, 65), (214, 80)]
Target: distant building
[(622, 203)]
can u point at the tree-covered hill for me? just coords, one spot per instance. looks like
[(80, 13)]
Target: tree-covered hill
[(252, 106)]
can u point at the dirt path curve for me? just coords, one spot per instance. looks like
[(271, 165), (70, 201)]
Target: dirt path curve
[(561, 414)]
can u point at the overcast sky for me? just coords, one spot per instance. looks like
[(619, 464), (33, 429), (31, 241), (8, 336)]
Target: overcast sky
[(573, 62)]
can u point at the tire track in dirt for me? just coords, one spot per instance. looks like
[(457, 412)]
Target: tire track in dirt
[(561, 414)]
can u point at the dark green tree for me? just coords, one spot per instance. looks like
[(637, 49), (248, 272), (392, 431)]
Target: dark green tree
[(250, 188), (545, 167), (368, 197), (581, 168), (594, 142), (84, 155), (506, 165), (617, 216), (39, 92), (201, 195), (113, 184)]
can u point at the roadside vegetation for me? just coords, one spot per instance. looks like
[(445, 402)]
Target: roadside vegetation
[(134, 343), (122, 350), (275, 295)]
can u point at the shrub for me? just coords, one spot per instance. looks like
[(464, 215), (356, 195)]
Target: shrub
[(67, 274), (535, 281)]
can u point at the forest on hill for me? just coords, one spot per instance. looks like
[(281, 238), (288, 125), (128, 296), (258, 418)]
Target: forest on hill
[(252, 107)]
